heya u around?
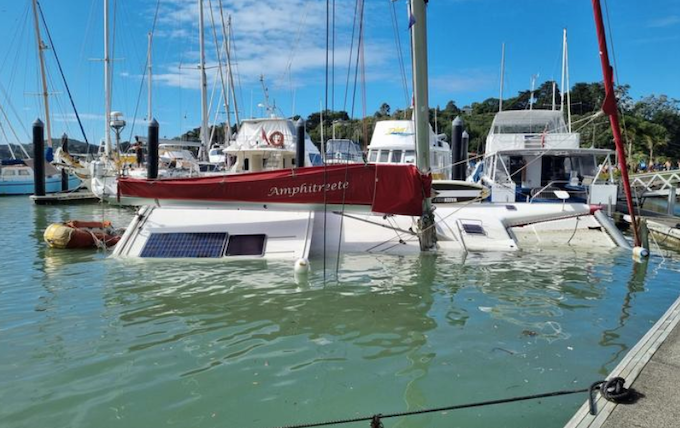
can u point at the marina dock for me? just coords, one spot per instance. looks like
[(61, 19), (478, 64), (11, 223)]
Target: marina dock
[(80, 197), (651, 368)]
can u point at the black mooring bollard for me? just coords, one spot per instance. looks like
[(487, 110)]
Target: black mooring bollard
[(457, 149), (464, 155), (64, 174), (300, 143), (39, 158), (152, 164)]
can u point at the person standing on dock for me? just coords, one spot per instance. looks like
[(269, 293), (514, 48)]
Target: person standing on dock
[(139, 152)]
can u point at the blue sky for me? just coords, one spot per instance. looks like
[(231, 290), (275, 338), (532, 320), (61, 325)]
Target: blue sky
[(285, 41)]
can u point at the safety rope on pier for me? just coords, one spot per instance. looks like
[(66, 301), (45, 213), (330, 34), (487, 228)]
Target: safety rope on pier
[(611, 390)]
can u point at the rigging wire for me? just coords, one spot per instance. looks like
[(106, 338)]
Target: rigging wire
[(400, 54), (333, 61), (141, 83), (238, 73), (61, 71), (351, 50), (224, 91), (616, 74), (323, 145)]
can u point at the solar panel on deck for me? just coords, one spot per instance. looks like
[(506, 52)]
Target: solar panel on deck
[(473, 229), (189, 245)]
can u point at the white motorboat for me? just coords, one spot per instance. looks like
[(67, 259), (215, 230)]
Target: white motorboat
[(531, 156), (267, 144), (342, 151)]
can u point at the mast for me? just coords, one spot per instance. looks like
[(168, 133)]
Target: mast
[(609, 107), (107, 83), (205, 137), (227, 31), (564, 62), (41, 56), (149, 114), (265, 91), (227, 107), (554, 89), (533, 87), (500, 95), (418, 19), (566, 71)]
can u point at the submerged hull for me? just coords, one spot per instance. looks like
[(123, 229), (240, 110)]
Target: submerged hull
[(208, 232)]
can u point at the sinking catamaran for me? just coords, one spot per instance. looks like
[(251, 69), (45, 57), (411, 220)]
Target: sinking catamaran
[(299, 213)]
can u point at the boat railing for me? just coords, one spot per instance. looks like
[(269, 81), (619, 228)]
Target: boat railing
[(534, 141), (551, 186)]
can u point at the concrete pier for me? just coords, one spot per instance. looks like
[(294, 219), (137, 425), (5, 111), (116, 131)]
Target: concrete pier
[(652, 368)]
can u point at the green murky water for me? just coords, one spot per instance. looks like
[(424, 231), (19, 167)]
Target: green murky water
[(88, 341)]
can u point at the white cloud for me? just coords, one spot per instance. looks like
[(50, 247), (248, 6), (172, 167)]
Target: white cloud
[(667, 21), (457, 83), (284, 40)]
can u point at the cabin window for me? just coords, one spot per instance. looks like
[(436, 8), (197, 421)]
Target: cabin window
[(517, 169), (410, 156), (384, 155), (185, 245), (9, 172), (24, 172), (372, 156), (246, 164), (245, 245), (396, 156)]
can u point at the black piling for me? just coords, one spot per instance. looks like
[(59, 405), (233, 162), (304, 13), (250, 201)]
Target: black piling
[(465, 153), (39, 157), (64, 174), (457, 171), (300, 143), (152, 164)]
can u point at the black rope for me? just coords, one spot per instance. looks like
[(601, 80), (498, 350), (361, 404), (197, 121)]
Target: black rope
[(61, 71), (611, 390)]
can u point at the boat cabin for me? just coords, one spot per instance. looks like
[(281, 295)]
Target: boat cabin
[(394, 141), (266, 145), (531, 156), (343, 151)]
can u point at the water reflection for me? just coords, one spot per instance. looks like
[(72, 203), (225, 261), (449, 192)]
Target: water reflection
[(611, 337), (94, 341)]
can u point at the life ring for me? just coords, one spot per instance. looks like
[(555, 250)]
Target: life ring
[(276, 139)]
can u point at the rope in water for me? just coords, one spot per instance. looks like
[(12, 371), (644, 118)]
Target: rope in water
[(612, 390)]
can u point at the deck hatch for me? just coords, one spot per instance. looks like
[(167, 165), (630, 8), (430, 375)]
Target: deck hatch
[(473, 229), (185, 245)]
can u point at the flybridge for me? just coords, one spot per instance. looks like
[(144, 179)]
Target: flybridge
[(388, 189)]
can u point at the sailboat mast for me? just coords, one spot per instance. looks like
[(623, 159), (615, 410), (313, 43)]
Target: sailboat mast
[(500, 95), (421, 114), (107, 83), (149, 114), (564, 63), (204, 87), (610, 108), (227, 31), (41, 57), (566, 71)]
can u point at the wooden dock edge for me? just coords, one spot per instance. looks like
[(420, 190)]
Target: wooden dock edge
[(629, 368)]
